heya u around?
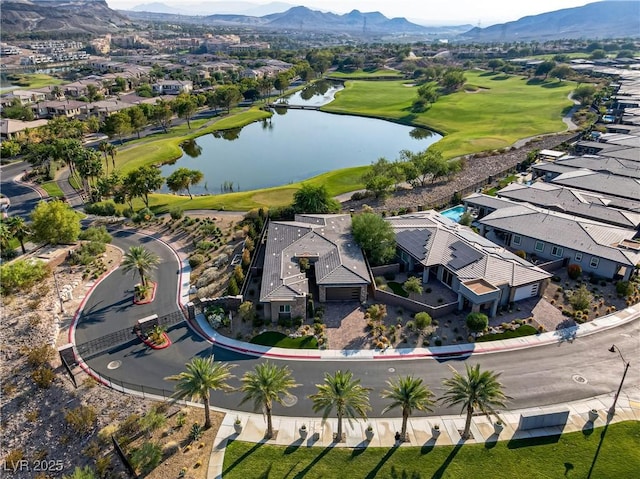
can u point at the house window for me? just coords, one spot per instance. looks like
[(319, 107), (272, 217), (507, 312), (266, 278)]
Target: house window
[(447, 277), (517, 239), (285, 308), (539, 246), (594, 262), (556, 251), (578, 257)]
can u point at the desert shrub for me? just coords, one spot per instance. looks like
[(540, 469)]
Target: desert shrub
[(21, 274), (81, 419), (175, 213), (247, 311), (195, 432), (624, 288), (43, 377), (232, 288), (129, 428), (93, 233), (205, 246), (574, 271), (13, 460), (196, 260), (101, 209), (477, 322), (521, 254), (423, 320), (152, 421), (581, 298), (438, 342), (40, 355), (146, 458), (145, 214), (88, 252)]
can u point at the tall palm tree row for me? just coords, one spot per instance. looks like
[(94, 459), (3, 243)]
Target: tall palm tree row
[(408, 393), (475, 390), (266, 384), (202, 375), (140, 259), (340, 391)]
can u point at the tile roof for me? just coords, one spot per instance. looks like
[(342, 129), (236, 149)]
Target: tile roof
[(613, 185), (586, 236), (325, 238), (435, 240), (575, 202)]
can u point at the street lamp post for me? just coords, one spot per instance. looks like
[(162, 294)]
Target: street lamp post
[(613, 349)]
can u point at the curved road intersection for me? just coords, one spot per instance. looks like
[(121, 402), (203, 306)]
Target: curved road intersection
[(555, 373)]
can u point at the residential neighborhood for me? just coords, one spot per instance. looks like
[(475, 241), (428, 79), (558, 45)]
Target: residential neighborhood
[(275, 241)]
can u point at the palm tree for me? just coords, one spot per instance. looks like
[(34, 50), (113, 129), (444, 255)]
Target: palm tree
[(140, 259), (202, 375), (478, 389), (112, 151), (19, 230), (103, 146), (408, 393), (266, 384), (345, 394)]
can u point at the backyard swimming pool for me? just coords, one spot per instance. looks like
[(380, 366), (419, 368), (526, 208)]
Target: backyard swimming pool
[(454, 213)]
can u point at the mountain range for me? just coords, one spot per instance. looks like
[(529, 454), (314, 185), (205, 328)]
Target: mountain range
[(604, 19), (209, 8)]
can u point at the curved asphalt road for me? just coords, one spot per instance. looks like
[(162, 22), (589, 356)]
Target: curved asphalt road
[(533, 377), (23, 198)]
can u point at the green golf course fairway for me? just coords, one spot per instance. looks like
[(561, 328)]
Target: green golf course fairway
[(610, 455), (493, 111)]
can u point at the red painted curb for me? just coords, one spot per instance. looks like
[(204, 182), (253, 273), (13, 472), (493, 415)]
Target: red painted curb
[(167, 341)]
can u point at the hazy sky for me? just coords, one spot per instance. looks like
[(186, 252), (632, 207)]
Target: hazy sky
[(485, 12)]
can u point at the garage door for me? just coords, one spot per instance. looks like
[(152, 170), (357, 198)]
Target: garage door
[(525, 292), (343, 294)]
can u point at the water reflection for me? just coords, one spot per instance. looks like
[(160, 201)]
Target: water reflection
[(191, 148), (231, 134), (316, 94), (421, 133), (304, 144)]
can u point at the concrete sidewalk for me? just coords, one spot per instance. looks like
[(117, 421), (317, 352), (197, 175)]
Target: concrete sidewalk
[(420, 429)]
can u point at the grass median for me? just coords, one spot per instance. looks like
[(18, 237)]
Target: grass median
[(604, 453)]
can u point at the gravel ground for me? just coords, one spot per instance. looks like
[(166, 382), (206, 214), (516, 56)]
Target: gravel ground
[(33, 424), (476, 170)]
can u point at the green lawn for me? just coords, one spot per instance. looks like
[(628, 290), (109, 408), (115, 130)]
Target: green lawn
[(336, 182), (53, 189), (524, 330), (32, 80), (502, 109), (280, 340), (606, 453), (366, 74)]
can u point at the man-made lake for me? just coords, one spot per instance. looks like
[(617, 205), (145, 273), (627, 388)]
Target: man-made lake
[(294, 145), (318, 94)]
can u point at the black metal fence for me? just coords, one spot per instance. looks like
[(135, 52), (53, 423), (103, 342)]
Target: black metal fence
[(123, 336), (147, 392)]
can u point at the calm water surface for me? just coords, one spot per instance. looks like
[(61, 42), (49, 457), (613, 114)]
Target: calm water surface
[(292, 146)]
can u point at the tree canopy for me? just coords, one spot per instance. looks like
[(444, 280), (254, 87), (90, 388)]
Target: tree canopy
[(55, 223), (375, 236), (314, 199)]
